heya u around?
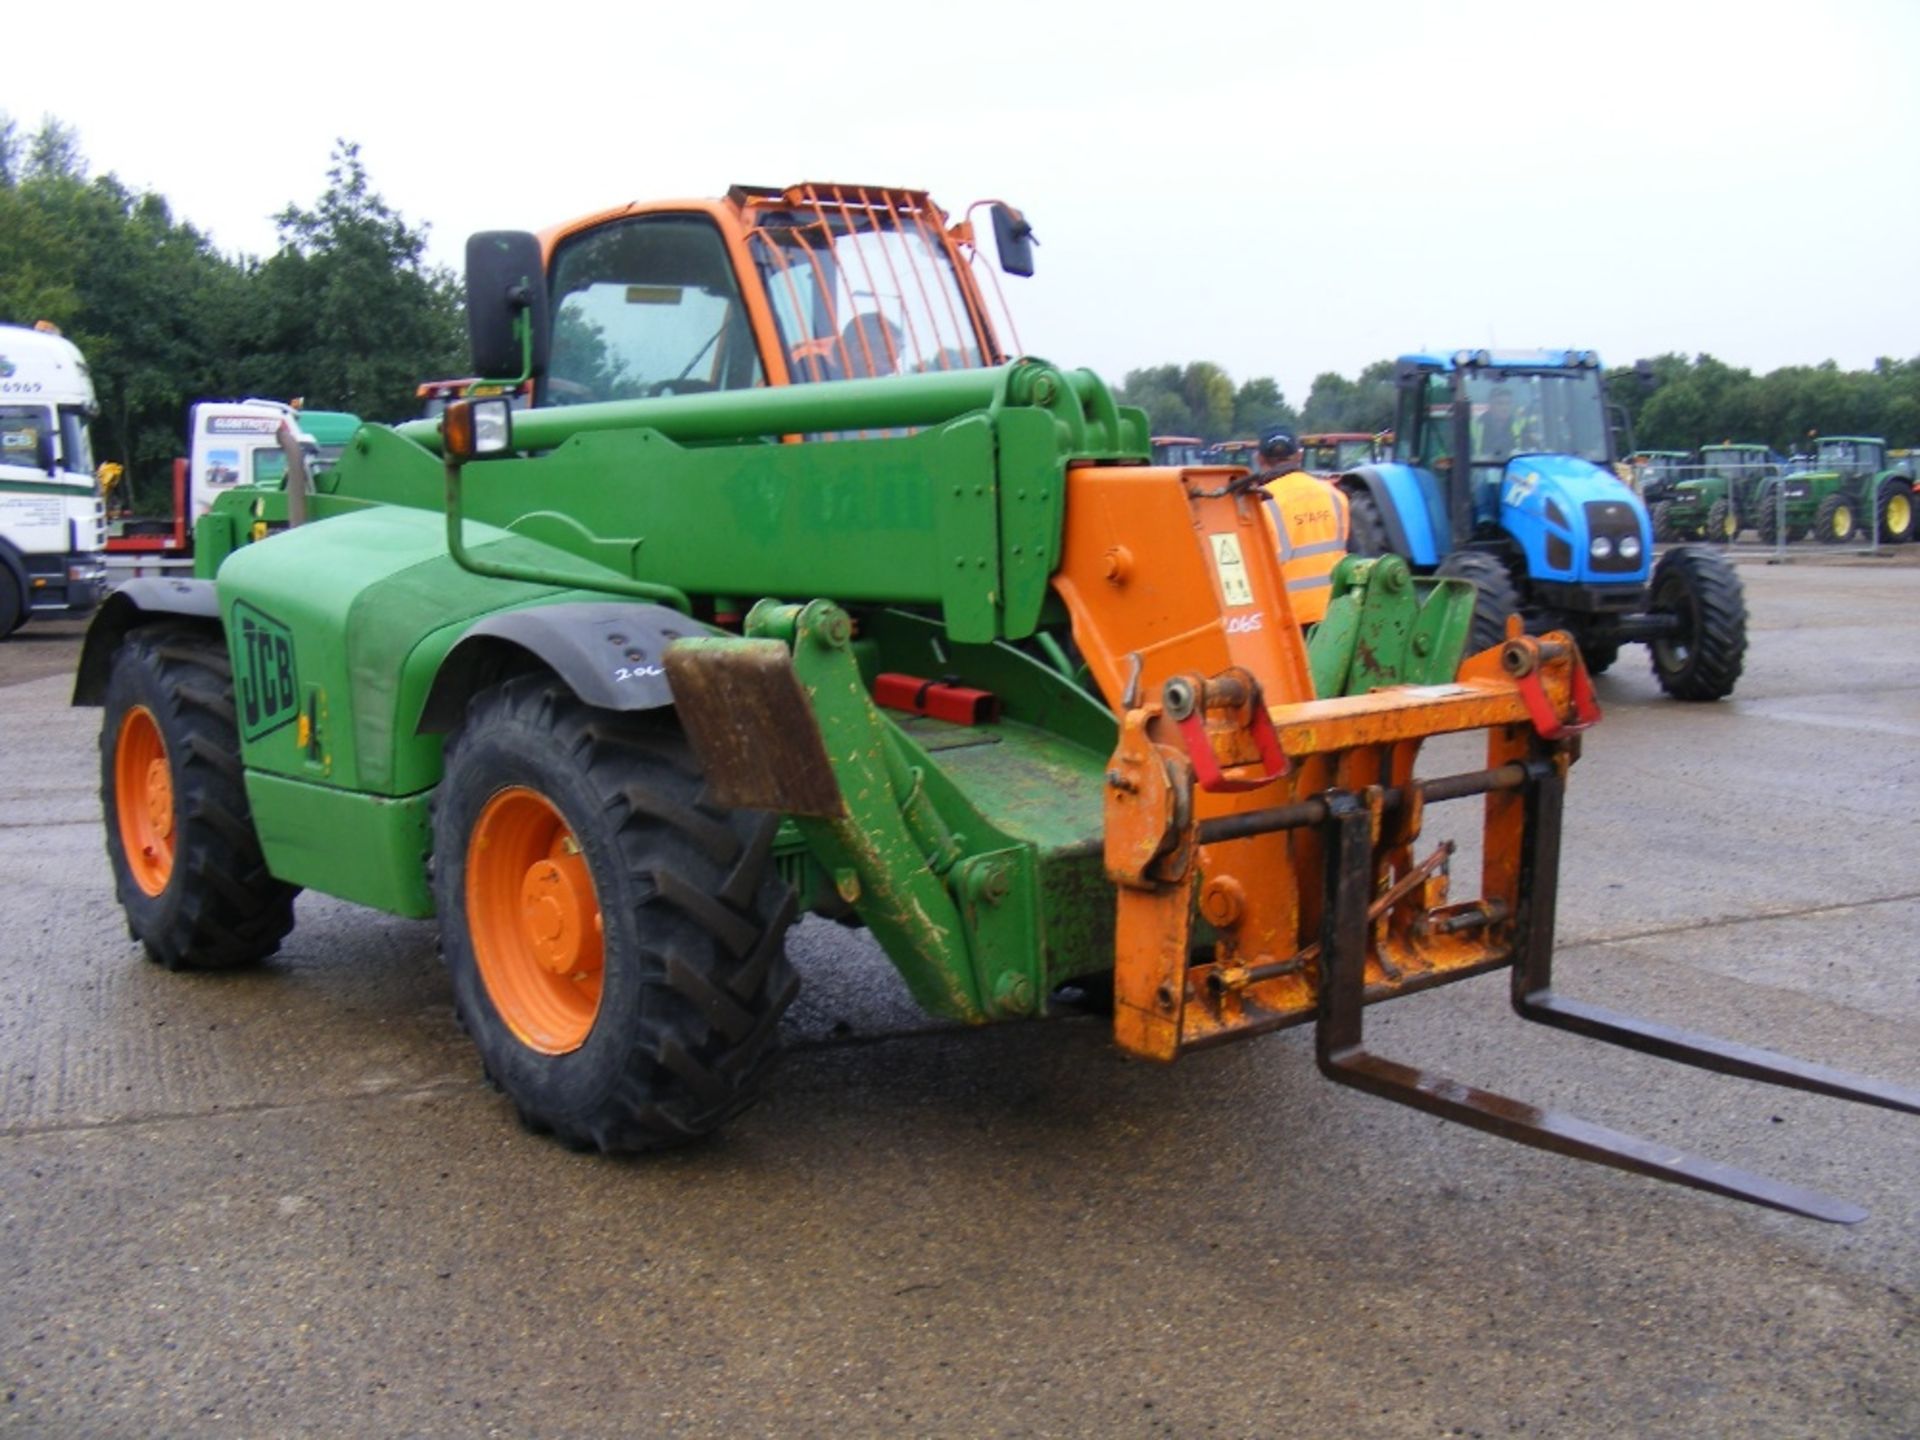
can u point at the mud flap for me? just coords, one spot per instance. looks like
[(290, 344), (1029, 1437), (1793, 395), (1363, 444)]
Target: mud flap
[(749, 720)]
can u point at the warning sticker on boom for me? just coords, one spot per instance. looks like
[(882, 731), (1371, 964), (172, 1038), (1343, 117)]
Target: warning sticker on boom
[(1235, 588)]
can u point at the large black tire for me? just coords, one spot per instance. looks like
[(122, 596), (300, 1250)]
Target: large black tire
[(689, 908), (1704, 660), (1497, 597), (1664, 530), (187, 866), (13, 608), (1896, 502), (1366, 530), (1836, 519), (1723, 526)]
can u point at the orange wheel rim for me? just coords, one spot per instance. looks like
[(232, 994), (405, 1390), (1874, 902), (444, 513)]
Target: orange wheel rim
[(143, 799), (535, 921)]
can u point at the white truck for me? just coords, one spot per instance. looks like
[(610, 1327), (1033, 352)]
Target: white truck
[(52, 521), (230, 442)]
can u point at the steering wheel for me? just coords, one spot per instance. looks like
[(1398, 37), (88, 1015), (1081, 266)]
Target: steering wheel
[(680, 387)]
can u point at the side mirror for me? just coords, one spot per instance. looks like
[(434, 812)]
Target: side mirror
[(1013, 237), (506, 286), (43, 455)]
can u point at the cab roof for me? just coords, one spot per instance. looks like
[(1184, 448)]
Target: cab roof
[(1502, 360)]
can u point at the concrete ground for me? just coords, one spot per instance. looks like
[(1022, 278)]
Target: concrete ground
[(282, 1203)]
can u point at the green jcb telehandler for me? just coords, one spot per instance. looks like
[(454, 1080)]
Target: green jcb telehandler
[(616, 686)]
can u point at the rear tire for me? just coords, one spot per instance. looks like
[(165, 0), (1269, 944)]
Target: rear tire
[(13, 612), (1702, 662), (1834, 521), (617, 940), (1496, 596), (187, 866)]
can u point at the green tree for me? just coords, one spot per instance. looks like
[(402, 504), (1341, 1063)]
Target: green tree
[(1364, 404), (1259, 405), (1156, 390), (348, 313), (125, 282), (1208, 391)]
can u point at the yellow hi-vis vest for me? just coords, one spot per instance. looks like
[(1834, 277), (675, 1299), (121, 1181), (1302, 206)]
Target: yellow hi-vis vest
[(1309, 519)]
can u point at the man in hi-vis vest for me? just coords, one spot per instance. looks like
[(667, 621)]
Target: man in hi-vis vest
[(1309, 518)]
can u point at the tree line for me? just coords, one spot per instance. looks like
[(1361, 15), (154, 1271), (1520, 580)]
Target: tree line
[(345, 314), (1672, 402)]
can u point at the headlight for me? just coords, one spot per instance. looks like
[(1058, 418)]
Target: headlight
[(1601, 547), (1630, 547)]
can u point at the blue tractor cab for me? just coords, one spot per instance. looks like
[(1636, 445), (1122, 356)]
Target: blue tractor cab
[(1502, 474)]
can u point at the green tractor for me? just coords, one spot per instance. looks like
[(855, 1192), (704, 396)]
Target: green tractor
[(1848, 483), (1716, 502), (764, 609), (1654, 473)]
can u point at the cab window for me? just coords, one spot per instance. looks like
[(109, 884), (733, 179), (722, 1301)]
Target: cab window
[(644, 307), (1436, 421)]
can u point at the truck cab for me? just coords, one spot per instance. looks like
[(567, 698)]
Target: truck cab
[(52, 519), (237, 442), (230, 443)]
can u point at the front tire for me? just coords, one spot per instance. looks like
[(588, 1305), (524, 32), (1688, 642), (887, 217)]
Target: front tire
[(1495, 596), (1896, 511), (1664, 529), (1723, 526), (1766, 515), (1703, 661), (187, 865), (1834, 521), (616, 939)]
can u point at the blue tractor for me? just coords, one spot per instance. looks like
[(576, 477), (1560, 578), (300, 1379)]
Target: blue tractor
[(1502, 474)]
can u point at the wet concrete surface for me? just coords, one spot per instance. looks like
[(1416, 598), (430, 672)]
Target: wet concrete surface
[(282, 1202)]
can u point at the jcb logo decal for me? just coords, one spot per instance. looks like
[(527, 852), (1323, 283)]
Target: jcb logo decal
[(267, 684)]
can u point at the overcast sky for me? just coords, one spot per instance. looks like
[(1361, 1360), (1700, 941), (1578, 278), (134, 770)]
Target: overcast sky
[(1283, 188)]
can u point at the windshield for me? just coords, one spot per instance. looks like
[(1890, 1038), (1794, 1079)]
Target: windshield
[(1550, 413), (1848, 455), (21, 427), (1733, 463), (1177, 452), (645, 307), (858, 293)]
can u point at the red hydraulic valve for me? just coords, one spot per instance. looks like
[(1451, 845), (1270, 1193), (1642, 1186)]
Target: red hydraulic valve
[(942, 699)]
